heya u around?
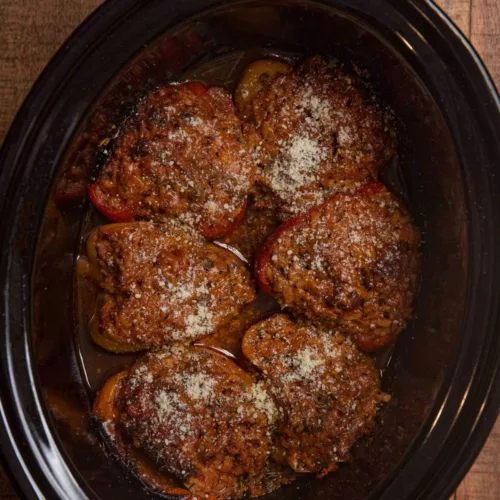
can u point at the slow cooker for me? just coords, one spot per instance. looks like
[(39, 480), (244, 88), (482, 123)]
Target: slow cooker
[(443, 373)]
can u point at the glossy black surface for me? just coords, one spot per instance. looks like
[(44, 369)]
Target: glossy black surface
[(444, 370)]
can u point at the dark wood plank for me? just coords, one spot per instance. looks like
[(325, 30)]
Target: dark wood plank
[(32, 30), (485, 36), (482, 482), (30, 33), (459, 11)]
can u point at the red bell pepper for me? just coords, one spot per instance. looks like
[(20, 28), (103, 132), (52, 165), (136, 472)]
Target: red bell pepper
[(196, 88), (225, 228), (120, 214), (264, 255)]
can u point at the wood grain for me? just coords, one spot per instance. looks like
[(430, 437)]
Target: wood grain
[(32, 30), (30, 33), (485, 35), (482, 482), (459, 11)]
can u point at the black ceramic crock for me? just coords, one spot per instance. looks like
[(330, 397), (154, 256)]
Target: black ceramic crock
[(443, 372)]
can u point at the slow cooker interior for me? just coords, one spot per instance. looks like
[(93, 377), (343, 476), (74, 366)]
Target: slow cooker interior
[(429, 178)]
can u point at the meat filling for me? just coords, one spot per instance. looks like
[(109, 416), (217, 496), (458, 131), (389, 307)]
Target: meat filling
[(162, 283), (182, 154), (322, 131), (199, 417), (326, 390)]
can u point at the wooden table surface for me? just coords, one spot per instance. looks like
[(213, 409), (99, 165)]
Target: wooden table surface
[(32, 30)]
